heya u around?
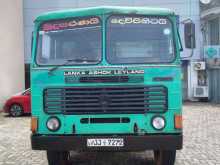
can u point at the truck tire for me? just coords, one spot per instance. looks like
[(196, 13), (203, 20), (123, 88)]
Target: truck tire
[(58, 157), (164, 157)]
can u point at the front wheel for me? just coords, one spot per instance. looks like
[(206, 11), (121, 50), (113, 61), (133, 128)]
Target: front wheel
[(164, 157), (58, 157), (16, 110)]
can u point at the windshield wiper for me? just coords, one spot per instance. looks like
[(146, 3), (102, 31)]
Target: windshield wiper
[(68, 61)]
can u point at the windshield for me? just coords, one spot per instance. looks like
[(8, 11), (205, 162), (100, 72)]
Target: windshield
[(139, 39), (77, 39)]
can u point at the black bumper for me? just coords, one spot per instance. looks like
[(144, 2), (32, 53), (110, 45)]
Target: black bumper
[(131, 143)]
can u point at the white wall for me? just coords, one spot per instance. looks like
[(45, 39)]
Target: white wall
[(11, 48)]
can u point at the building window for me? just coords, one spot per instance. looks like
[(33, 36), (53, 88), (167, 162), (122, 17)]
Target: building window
[(214, 31)]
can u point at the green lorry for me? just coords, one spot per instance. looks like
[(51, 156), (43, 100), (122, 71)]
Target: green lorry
[(106, 79)]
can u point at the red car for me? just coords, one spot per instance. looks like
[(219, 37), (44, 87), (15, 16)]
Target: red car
[(19, 104)]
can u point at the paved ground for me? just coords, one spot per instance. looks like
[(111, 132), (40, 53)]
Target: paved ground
[(201, 142)]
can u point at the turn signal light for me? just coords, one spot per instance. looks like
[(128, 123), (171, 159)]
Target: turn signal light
[(34, 124), (178, 122)]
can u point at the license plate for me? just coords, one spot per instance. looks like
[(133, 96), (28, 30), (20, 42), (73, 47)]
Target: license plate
[(108, 142)]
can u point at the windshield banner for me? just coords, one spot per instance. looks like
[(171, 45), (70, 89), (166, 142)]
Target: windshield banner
[(71, 23), (139, 20)]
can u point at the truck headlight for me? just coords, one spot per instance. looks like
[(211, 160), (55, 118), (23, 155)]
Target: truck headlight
[(53, 124), (158, 122)]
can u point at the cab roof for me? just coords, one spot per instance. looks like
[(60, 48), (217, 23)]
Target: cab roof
[(101, 11)]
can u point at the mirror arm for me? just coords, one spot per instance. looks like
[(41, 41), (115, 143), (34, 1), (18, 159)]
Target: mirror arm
[(180, 42), (32, 38), (191, 54)]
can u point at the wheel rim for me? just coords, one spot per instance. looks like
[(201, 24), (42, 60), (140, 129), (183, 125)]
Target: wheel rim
[(16, 110)]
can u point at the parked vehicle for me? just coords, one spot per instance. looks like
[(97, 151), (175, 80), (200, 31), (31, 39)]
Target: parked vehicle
[(107, 79), (19, 104)]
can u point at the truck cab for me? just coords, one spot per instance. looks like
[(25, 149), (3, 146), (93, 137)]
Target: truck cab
[(106, 79)]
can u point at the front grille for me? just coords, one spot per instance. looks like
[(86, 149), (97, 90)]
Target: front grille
[(105, 100), (112, 79)]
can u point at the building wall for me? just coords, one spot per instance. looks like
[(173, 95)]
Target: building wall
[(12, 48), (210, 20), (184, 8), (214, 85)]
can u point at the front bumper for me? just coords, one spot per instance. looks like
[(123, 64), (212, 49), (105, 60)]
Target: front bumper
[(131, 143)]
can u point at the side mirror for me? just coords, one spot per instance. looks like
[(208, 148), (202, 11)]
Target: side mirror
[(32, 38), (189, 35)]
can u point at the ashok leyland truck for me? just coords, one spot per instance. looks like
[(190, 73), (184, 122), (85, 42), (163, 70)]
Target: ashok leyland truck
[(106, 79)]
